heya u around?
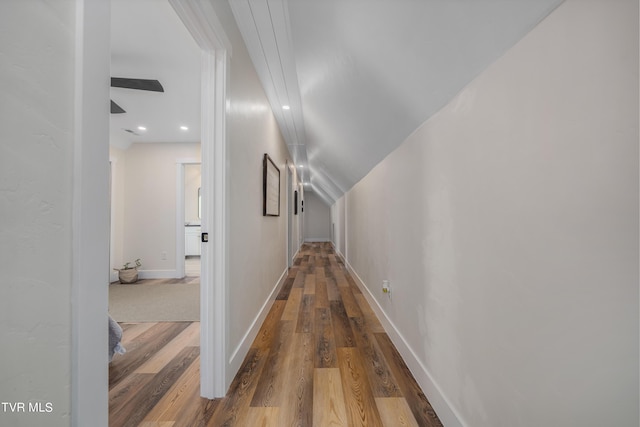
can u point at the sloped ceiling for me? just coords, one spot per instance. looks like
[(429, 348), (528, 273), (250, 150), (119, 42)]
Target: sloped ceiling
[(359, 76)]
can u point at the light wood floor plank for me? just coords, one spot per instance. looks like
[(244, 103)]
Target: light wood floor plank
[(157, 424), (359, 401), (262, 417), (341, 325), (306, 315), (286, 287), (348, 300), (310, 284), (300, 276), (234, 406), (171, 350), (370, 318), (197, 412), (395, 412), (140, 404), (341, 280), (325, 354), (270, 387), (328, 398), (177, 396), (297, 403), (383, 384), (133, 331), (352, 283), (418, 402), (321, 297), (332, 288), (320, 358), (145, 346), (293, 305), (122, 393), (269, 328)]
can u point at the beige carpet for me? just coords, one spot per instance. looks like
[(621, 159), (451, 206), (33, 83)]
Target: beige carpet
[(155, 301)]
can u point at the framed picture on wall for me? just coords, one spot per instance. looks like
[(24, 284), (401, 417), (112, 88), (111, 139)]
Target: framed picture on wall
[(295, 202), (270, 187)]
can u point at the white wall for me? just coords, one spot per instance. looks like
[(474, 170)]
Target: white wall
[(508, 227), (145, 200), (254, 240), (117, 159), (192, 182), (296, 236), (338, 224), (36, 167), (317, 218), (53, 226)]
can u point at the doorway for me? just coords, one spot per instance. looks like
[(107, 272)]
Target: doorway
[(189, 199), (292, 200), (91, 226)]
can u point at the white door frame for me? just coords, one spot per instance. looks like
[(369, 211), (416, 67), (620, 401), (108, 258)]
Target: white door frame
[(90, 223), (290, 215), (90, 216), (180, 219), (201, 21)]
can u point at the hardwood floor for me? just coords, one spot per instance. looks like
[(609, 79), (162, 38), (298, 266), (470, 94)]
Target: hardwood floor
[(321, 358)]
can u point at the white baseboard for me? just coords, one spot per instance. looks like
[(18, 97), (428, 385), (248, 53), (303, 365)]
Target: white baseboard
[(446, 412), (158, 274), (295, 255), (149, 274), (335, 249), (314, 239), (238, 355)]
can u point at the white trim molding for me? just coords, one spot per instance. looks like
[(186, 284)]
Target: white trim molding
[(239, 353), (90, 217), (443, 407), (340, 254), (158, 274), (201, 21), (180, 203)]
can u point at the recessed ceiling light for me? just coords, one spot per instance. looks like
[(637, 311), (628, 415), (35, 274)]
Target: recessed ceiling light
[(286, 107), (184, 127), (142, 128), (301, 166)]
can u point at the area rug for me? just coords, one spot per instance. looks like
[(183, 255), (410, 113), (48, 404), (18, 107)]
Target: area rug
[(151, 301)]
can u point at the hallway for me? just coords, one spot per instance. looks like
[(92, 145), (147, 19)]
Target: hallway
[(321, 358)]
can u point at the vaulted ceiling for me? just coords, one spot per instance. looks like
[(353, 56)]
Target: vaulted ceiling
[(358, 76)]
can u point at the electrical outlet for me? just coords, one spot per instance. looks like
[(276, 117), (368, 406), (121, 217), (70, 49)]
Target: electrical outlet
[(163, 255), (386, 287)]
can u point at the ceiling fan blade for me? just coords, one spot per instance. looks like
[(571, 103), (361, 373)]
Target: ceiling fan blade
[(116, 109), (138, 84)]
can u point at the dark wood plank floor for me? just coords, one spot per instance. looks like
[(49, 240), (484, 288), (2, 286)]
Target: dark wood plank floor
[(321, 358)]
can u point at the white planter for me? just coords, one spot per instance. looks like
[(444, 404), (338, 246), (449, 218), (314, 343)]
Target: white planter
[(129, 275)]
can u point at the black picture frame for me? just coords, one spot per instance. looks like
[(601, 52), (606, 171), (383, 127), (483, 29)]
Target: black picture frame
[(295, 202), (270, 187)]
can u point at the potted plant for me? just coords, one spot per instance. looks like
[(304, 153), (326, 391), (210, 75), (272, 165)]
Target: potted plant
[(129, 273)]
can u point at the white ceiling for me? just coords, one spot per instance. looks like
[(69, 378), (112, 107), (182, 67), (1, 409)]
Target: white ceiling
[(359, 75), (149, 41)]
